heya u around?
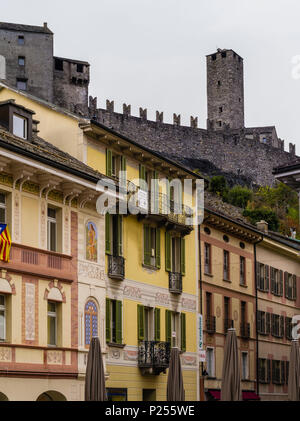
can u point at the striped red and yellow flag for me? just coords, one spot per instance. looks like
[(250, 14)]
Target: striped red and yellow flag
[(5, 243)]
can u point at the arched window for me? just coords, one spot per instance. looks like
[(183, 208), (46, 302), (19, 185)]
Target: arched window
[(91, 241), (90, 321)]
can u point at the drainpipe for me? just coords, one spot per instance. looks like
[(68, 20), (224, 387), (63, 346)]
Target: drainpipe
[(256, 311), (202, 396)]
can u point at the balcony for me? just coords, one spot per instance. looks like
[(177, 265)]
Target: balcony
[(228, 324), (43, 263), (245, 330), (175, 282), (153, 357), (162, 209), (211, 324), (116, 267)]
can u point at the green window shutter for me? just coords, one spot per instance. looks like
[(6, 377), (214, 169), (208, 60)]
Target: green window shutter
[(182, 256), (119, 322), (183, 331), (157, 251), (157, 324), (147, 248), (155, 194), (142, 177), (108, 330), (168, 326), (140, 319), (107, 234), (120, 235), (123, 166), (168, 252), (108, 162)]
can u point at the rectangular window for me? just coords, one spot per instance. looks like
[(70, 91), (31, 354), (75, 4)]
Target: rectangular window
[(52, 230), (114, 321), (208, 304), (20, 126), (290, 286), (276, 282), (2, 208), (151, 246), (176, 254), (21, 61), (226, 265), (79, 68), (2, 318), (22, 84), (207, 258), (210, 362), (227, 318), (264, 370), (242, 270), (243, 312), (176, 329), (52, 323), (149, 323), (278, 372), (277, 326), (288, 328), (21, 40), (245, 369)]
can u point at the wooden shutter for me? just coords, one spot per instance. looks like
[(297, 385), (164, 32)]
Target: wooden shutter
[(182, 256), (183, 332), (108, 330), (120, 235), (286, 282), (272, 279), (268, 323), (282, 372), (281, 283), (107, 233), (281, 333), (119, 322), (168, 326), (257, 275), (123, 165), (273, 372), (141, 322), (259, 327), (147, 245), (268, 371), (155, 194), (157, 324), (294, 297), (267, 278), (168, 252), (287, 366), (108, 162), (157, 249)]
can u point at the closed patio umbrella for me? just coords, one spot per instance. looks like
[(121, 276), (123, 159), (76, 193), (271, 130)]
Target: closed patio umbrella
[(175, 388), (231, 377), (294, 373), (95, 377)]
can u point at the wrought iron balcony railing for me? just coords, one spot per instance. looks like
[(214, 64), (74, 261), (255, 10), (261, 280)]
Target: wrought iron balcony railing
[(245, 330), (211, 324), (175, 282), (116, 267), (154, 356), (228, 324)]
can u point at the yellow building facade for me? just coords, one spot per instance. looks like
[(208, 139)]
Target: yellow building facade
[(142, 285)]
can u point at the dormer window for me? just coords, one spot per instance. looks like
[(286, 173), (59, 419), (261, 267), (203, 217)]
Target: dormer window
[(20, 126)]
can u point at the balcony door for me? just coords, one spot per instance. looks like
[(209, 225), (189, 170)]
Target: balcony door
[(149, 324), (176, 243)]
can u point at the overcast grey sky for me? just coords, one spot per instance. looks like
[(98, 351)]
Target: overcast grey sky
[(151, 53)]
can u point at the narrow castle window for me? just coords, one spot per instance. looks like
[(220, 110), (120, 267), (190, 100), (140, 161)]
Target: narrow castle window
[(22, 84), (21, 61), (21, 40), (220, 109), (214, 57), (219, 83), (220, 123), (224, 54)]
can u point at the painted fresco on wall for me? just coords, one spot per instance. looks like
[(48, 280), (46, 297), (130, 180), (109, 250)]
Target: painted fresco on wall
[(91, 241)]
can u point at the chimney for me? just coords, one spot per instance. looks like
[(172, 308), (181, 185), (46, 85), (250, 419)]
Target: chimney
[(262, 226), (45, 25)]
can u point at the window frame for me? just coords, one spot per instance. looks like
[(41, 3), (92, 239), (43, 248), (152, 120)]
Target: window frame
[(4, 309), (246, 377), (51, 220), (207, 259), (226, 265), (243, 280), (55, 316), (25, 125), (4, 206), (213, 365)]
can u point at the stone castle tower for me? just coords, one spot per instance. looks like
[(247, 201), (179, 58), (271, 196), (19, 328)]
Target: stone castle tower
[(27, 53), (225, 90)]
